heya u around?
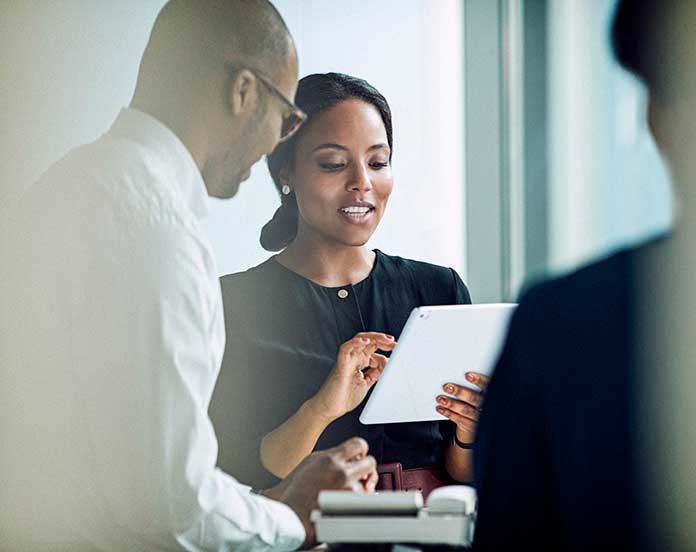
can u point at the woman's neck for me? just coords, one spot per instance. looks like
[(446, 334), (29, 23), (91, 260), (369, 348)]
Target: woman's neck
[(327, 263)]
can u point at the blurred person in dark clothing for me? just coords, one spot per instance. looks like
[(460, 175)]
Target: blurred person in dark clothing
[(563, 459)]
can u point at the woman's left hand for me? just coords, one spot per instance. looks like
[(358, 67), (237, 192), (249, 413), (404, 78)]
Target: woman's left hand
[(465, 407)]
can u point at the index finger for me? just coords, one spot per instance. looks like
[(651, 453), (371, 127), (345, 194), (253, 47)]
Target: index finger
[(351, 448), (378, 337)]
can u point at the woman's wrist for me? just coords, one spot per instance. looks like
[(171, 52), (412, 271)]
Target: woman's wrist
[(463, 439), (461, 444), (316, 410)]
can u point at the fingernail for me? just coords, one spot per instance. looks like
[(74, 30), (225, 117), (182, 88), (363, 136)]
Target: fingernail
[(449, 388), (440, 410), (365, 339), (442, 400), (390, 337), (470, 377)]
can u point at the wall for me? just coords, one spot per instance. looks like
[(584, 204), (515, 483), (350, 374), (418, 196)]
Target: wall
[(607, 185), (68, 66)]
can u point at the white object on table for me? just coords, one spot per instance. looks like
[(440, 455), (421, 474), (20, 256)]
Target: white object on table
[(389, 517)]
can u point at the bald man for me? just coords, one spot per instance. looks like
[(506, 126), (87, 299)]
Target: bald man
[(112, 329)]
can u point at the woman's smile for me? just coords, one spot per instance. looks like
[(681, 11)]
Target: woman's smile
[(357, 212)]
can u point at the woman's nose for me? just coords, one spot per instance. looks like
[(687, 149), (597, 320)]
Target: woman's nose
[(359, 179)]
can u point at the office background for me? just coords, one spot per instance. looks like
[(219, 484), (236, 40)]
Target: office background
[(520, 147)]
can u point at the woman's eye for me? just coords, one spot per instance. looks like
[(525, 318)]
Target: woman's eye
[(331, 166), (379, 164)]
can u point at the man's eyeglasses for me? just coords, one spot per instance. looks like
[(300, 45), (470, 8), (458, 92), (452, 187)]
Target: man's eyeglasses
[(291, 122)]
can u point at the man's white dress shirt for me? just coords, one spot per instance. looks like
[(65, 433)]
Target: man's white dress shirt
[(112, 336)]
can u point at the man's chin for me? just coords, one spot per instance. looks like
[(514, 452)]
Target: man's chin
[(232, 187), (225, 190), (222, 187), (232, 190)]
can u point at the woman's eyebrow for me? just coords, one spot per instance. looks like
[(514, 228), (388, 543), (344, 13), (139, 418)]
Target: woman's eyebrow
[(330, 145)]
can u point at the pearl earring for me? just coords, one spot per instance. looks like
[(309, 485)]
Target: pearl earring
[(285, 189)]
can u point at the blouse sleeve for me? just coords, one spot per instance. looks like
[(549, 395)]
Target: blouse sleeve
[(460, 291)]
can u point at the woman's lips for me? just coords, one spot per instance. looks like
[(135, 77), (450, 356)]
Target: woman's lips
[(357, 214)]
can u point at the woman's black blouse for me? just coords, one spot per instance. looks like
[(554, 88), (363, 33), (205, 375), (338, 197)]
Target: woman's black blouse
[(283, 334)]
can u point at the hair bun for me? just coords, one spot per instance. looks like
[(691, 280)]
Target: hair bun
[(278, 232)]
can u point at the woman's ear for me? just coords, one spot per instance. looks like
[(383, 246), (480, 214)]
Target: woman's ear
[(242, 92), (284, 176)]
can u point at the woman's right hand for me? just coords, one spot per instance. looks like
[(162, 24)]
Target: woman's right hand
[(358, 367)]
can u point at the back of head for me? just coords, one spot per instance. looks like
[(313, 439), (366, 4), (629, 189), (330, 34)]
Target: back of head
[(653, 39), (191, 38), (315, 94), (656, 41)]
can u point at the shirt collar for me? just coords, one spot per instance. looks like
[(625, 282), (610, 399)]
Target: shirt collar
[(148, 131)]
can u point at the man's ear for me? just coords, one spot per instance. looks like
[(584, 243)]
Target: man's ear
[(242, 91)]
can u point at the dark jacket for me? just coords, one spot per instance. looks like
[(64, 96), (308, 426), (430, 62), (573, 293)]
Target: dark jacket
[(555, 462)]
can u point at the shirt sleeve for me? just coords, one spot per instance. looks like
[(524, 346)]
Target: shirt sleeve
[(156, 356)]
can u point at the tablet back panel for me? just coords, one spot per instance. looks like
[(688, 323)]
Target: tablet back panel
[(438, 345)]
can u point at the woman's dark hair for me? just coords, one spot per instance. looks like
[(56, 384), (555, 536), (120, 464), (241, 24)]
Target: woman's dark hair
[(315, 94)]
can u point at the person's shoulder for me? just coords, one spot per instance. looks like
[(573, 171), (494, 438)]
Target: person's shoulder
[(115, 179), (126, 165), (587, 292), (418, 269), (557, 318), (432, 284), (108, 159), (111, 189), (245, 281), (256, 297)]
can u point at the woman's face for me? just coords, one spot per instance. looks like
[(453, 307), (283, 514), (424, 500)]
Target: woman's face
[(342, 176)]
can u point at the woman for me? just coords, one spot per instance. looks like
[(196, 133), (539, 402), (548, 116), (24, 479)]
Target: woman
[(307, 329)]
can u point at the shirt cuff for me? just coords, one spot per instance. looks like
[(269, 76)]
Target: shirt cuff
[(291, 533)]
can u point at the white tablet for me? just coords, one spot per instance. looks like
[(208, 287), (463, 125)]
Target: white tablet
[(438, 345)]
